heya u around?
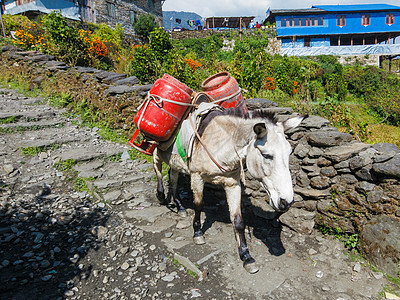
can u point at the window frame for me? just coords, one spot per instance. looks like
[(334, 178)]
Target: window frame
[(132, 16), (284, 21), (366, 20), (111, 10), (341, 20), (389, 20)]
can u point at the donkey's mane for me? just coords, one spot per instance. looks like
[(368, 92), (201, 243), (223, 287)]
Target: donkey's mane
[(234, 112), (263, 114), (237, 112)]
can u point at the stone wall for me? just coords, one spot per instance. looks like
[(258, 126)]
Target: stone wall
[(342, 184), (338, 182), (123, 11)]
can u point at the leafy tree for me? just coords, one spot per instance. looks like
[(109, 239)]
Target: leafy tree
[(144, 25)]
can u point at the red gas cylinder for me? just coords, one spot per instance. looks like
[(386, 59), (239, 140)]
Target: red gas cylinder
[(222, 86), (161, 112)]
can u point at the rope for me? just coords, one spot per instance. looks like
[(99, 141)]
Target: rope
[(228, 97), (205, 148)]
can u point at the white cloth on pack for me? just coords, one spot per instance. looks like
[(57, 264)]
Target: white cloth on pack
[(187, 133)]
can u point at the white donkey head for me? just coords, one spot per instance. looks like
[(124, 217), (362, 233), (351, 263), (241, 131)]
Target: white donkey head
[(268, 160)]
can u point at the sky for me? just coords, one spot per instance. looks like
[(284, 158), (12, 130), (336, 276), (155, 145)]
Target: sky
[(257, 8)]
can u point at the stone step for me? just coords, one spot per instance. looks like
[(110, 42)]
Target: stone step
[(29, 115), (87, 153), (108, 183), (25, 126)]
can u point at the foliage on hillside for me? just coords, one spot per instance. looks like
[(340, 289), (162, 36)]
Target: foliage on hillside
[(353, 97)]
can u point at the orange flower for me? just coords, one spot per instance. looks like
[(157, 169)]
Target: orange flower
[(97, 47), (270, 84), (194, 65), (296, 87)]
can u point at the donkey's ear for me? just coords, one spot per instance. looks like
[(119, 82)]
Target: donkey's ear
[(260, 130), (293, 122)]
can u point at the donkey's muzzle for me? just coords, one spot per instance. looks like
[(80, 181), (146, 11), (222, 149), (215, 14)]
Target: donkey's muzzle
[(284, 205)]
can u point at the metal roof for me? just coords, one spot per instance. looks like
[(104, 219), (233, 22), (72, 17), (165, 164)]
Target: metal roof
[(294, 11), (228, 22), (356, 7)]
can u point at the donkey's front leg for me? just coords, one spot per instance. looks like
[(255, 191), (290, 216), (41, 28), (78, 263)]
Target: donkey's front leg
[(157, 165), (233, 196), (173, 191), (197, 185)]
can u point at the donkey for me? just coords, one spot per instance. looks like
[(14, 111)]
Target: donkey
[(259, 142)]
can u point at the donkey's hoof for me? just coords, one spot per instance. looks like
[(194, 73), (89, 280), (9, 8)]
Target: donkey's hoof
[(199, 240), (251, 267), (182, 213)]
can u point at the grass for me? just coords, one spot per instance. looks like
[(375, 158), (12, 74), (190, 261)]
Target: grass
[(350, 241), (32, 151), (8, 120), (115, 157), (80, 184), (178, 265), (65, 165), (383, 133)]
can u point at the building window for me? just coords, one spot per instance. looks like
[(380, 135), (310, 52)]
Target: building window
[(110, 9), (132, 16), (341, 20), (390, 19), (290, 22), (365, 20)]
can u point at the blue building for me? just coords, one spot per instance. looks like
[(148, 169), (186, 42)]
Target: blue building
[(182, 20), (340, 29)]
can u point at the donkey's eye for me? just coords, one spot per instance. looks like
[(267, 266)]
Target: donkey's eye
[(267, 156)]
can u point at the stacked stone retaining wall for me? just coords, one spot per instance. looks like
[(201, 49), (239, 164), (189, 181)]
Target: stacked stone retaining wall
[(342, 184)]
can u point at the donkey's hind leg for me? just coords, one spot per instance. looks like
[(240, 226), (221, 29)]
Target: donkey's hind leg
[(157, 165), (233, 195), (197, 187), (173, 188)]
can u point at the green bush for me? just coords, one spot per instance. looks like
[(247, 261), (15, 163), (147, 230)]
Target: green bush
[(160, 43), (180, 67), (13, 23), (107, 34), (144, 64), (66, 43), (365, 80), (144, 25)]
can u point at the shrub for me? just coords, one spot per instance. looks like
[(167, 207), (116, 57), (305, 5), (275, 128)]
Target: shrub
[(144, 25), (13, 23), (185, 69), (66, 43), (144, 64), (160, 43), (31, 36), (364, 80)]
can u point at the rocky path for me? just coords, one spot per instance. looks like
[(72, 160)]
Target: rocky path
[(117, 242)]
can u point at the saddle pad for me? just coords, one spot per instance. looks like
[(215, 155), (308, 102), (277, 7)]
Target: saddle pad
[(186, 134)]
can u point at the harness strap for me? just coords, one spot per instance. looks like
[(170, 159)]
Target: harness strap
[(180, 148), (205, 148)]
